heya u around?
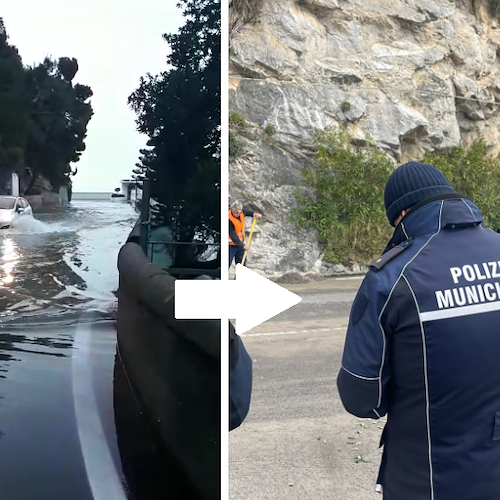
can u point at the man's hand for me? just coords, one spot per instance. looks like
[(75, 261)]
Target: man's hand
[(246, 247), (257, 216)]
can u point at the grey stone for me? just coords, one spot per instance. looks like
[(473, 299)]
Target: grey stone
[(398, 120), (436, 9), (322, 4), (465, 86), (401, 65), (411, 14)]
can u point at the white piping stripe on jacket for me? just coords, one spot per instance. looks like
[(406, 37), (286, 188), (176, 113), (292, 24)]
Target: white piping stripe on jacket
[(359, 376), (456, 312), (469, 207), (389, 298), (404, 230), (426, 379)]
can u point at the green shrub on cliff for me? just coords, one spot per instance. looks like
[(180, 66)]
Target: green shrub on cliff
[(246, 10), (237, 126), (494, 8), (344, 198), (473, 171)]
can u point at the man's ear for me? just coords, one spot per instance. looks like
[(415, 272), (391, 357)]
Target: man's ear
[(400, 216)]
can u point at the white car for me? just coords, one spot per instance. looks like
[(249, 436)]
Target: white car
[(11, 208)]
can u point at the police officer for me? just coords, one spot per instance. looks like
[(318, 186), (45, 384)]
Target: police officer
[(240, 380), (423, 344)]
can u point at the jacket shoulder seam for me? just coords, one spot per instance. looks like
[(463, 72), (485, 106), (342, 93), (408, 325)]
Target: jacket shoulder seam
[(384, 336)]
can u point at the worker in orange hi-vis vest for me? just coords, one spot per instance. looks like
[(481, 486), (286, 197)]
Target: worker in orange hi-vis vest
[(237, 246)]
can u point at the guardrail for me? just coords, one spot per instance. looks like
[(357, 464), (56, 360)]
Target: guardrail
[(174, 367), (207, 270), (148, 245)]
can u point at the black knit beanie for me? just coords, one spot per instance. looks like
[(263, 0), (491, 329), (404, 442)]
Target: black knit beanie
[(411, 183)]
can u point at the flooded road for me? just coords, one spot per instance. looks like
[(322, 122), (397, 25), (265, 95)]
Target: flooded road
[(63, 263), (58, 383)]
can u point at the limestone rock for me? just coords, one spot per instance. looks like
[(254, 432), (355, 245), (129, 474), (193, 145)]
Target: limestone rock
[(414, 75)]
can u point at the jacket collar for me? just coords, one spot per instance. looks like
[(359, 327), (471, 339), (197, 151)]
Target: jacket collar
[(447, 211)]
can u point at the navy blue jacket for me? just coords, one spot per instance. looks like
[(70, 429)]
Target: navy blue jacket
[(423, 347), (240, 380)]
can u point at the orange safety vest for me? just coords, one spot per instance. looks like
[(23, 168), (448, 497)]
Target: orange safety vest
[(239, 226)]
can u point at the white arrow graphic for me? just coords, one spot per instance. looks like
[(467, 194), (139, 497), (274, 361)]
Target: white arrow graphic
[(217, 299)]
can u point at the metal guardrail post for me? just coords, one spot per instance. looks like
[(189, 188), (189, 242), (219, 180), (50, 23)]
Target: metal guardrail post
[(145, 208)]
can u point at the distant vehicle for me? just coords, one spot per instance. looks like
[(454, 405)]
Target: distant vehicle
[(117, 194), (11, 208)]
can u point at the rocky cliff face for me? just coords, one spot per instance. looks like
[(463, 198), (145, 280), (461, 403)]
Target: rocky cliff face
[(414, 75)]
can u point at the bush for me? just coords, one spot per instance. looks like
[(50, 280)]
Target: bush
[(494, 8), (473, 171), (246, 10), (344, 198), (270, 130), (237, 126), (236, 121), (345, 106), (235, 147)]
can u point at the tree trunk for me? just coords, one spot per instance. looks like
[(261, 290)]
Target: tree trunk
[(31, 183)]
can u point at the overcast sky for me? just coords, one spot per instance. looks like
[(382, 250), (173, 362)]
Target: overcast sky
[(116, 43)]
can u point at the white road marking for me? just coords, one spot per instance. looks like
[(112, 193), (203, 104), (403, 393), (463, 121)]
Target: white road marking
[(102, 474), (293, 332), (349, 278)]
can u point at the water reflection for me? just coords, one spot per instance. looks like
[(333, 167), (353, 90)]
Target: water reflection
[(37, 264), (10, 258), (37, 400), (4, 364), (16, 343), (39, 275), (42, 299), (9, 342)]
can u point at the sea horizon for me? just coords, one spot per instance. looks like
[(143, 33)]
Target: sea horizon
[(91, 195)]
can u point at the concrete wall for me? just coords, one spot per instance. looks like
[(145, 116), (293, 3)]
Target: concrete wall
[(48, 199), (63, 196), (15, 185), (36, 201), (174, 366)]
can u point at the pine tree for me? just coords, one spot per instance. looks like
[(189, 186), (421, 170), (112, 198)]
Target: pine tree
[(179, 110)]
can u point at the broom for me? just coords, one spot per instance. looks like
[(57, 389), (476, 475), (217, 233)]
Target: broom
[(249, 240)]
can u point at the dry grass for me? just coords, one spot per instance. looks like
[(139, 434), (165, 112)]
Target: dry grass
[(242, 12)]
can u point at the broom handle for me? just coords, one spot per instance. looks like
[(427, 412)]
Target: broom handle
[(249, 240)]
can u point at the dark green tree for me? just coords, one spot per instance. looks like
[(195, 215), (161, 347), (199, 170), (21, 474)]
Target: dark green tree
[(14, 109), (43, 118), (67, 68), (143, 168), (60, 113), (179, 110)]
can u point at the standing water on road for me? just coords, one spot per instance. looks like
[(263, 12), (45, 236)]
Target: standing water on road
[(58, 372), (62, 263)]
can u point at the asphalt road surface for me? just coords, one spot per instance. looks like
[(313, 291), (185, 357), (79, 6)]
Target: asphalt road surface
[(297, 441)]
